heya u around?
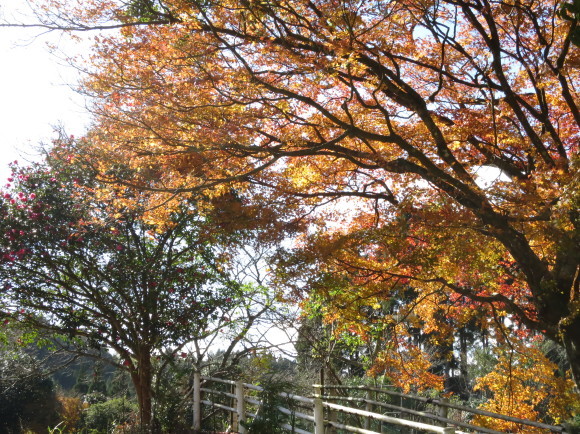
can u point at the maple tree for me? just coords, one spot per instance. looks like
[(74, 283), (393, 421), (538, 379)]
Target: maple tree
[(395, 106), (522, 380), (84, 267)]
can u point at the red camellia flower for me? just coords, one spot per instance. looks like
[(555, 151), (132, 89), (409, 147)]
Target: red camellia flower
[(21, 253)]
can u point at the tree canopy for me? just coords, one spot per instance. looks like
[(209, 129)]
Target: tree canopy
[(86, 267), (376, 119)]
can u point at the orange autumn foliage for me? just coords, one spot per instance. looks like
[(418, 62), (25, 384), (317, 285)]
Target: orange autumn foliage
[(379, 117), (522, 382), (71, 409)]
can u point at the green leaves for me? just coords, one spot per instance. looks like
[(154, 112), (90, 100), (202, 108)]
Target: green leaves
[(143, 10), (571, 12), (91, 269)]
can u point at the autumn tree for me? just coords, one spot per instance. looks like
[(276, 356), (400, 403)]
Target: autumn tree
[(396, 106), (79, 263)]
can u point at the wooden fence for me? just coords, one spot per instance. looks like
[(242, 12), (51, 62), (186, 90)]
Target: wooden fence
[(332, 409)]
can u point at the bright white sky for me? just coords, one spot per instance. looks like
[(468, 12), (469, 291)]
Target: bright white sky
[(35, 89)]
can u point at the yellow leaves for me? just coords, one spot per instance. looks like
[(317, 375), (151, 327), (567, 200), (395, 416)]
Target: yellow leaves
[(303, 175), (71, 410), (408, 368), (434, 317), (522, 381)]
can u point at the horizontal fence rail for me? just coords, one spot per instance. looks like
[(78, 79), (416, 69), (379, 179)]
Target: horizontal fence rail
[(319, 414), (443, 403), (422, 414), (392, 420)]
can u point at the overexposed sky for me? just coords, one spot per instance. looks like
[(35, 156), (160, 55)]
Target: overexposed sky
[(35, 88)]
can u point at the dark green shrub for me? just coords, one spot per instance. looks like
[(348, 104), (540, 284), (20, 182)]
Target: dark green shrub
[(103, 416), (27, 396), (573, 425), (172, 408), (269, 419)]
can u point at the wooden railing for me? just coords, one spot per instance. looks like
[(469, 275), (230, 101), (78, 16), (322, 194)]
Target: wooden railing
[(319, 414)]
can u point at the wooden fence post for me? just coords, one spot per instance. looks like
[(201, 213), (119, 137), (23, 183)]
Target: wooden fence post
[(332, 417), (318, 411), (240, 414), (443, 410), (368, 407), (196, 402)]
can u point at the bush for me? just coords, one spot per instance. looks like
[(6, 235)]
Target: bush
[(71, 412), (573, 425), (104, 416), (269, 419), (172, 410), (27, 397)]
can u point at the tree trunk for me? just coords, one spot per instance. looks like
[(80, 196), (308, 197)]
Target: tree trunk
[(142, 380), (463, 348), (571, 342)]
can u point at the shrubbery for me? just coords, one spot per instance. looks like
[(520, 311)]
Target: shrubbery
[(104, 416), (27, 396)]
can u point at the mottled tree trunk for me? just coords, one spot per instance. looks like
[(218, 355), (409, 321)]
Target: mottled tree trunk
[(142, 380), (571, 343)]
